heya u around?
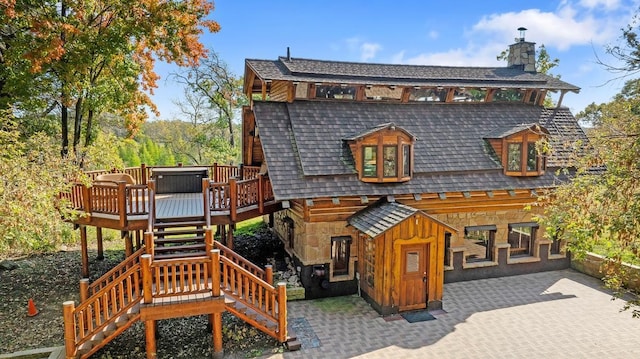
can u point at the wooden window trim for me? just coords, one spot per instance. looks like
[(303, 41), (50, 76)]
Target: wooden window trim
[(524, 143)]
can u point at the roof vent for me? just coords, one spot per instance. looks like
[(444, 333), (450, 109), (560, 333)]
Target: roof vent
[(288, 54)]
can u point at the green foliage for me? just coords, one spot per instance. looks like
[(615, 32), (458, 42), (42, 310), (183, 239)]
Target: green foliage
[(250, 226), (102, 154), (599, 208), (32, 174)]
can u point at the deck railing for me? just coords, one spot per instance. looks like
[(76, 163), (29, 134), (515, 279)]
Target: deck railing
[(87, 290)]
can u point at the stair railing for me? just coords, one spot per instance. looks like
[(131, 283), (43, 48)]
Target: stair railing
[(257, 295), (92, 316), (87, 290)]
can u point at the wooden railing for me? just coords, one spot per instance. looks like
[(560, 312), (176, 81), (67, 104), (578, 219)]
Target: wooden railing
[(269, 302), (177, 277), (87, 290), (92, 316), (236, 194)]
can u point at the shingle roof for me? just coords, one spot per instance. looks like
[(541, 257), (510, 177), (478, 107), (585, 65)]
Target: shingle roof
[(375, 129), (380, 217), (502, 132), (308, 70), (303, 145)]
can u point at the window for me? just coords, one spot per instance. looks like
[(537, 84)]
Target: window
[(469, 95), (390, 168), (369, 162), (521, 238), (382, 93), (555, 246), (479, 242), (508, 95), (447, 246), (336, 92), (369, 261), (532, 157), (428, 95), (514, 157), (406, 161), (340, 248)]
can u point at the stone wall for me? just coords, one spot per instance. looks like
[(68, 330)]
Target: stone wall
[(523, 53), (592, 262)]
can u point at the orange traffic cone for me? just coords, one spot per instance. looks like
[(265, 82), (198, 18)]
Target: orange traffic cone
[(32, 310)]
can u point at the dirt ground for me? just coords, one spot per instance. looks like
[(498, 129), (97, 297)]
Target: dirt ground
[(51, 279)]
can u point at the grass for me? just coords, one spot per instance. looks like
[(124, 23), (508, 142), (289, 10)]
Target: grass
[(249, 226)]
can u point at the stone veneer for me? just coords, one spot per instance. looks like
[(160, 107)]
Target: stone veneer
[(523, 53)]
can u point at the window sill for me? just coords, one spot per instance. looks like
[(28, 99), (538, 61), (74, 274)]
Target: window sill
[(480, 264), (557, 256), (525, 259)]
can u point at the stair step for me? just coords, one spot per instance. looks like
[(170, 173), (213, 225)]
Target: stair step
[(109, 329), (193, 223), (180, 255), (251, 313), (85, 348), (185, 247), (178, 240), (175, 232)]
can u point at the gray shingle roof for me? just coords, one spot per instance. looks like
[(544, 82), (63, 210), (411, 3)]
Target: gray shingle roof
[(502, 132), (308, 70), (380, 217), (307, 158)]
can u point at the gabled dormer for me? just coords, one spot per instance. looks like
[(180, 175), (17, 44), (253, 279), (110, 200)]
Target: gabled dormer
[(383, 154), (516, 149)]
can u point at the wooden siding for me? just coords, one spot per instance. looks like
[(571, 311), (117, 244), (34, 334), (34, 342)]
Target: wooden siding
[(324, 210), (281, 91)]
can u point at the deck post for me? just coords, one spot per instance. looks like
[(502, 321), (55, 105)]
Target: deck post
[(128, 244), (86, 199), (214, 254), (100, 255), (138, 239), (150, 338), (268, 274), (84, 289), (122, 203), (147, 279), (260, 194), (208, 238), (143, 173), (85, 251), (241, 171), (215, 172), (229, 241), (233, 198), (206, 201), (69, 329), (148, 242), (282, 312)]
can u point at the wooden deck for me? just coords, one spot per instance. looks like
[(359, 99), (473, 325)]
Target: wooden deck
[(179, 205)]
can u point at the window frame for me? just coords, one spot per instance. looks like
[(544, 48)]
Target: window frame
[(375, 160), (340, 255), (525, 141), (528, 250), (490, 242)]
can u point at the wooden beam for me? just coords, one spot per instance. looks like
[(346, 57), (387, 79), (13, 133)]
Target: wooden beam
[(84, 252)]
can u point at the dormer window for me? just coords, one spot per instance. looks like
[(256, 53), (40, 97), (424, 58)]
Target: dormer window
[(383, 154), (516, 148)]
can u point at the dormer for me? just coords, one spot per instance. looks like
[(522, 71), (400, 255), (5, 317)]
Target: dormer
[(516, 148), (383, 154)]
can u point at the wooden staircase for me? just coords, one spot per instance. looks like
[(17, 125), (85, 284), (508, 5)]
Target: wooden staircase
[(182, 238), (176, 275)]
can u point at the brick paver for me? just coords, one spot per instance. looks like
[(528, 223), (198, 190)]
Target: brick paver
[(560, 314)]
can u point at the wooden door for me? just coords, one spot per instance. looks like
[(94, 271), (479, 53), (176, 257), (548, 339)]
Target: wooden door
[(412, 277)]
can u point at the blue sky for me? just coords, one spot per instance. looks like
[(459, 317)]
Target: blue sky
[(458, 33)]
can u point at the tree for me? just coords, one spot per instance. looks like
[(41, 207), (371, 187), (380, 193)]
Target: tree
[(599, 208), (211, 80), (90, 56)]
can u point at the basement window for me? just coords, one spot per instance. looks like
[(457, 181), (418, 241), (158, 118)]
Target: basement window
[(521, 238), (479, 242)]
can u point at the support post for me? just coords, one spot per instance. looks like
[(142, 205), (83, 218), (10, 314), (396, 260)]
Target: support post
[(230, 237), (147, 279), (214, 254), (69, 329), (128, 244), (100, 255), (217, 335), (143, 173), (86, 199), (268, 273), (215, 172), (85, 251), (282, 312), (84, 289), (122, 203), (150, 338), (260, 194), (138, 239), (208, 238), (148, 242), (233, 198), (206, 201)]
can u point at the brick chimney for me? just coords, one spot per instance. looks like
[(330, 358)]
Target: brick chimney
[(522, 53)]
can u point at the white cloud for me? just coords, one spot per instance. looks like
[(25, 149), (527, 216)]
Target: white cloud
[(607, 4), (368, 50)]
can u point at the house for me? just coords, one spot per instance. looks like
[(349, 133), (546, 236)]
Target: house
[(395, 179)]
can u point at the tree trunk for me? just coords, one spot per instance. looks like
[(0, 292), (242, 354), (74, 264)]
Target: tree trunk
[(87, 136), (64, 122), (77, 125)]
